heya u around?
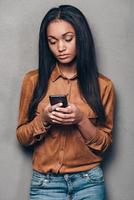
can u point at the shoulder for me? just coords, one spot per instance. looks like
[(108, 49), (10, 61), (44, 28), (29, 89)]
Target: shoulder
[(32, 74), (31, 77), (107, 90), (104, 81), (106, 86)]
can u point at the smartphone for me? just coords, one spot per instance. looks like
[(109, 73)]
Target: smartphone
[(54, 99)]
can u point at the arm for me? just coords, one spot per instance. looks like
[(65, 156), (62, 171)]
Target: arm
[(28, 132), (99, 138)]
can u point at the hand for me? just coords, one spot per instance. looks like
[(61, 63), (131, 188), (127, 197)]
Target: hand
[(46, 115), (67, 116)]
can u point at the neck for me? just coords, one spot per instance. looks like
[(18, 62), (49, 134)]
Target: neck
[(68, 69)]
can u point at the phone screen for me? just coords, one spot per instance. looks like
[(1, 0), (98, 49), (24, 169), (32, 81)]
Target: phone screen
[(54, 99)]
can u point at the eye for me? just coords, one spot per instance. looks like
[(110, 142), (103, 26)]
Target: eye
[(52, 41), (68, 38)]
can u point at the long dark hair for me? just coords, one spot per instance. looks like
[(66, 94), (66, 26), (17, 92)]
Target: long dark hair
[(85, 61)]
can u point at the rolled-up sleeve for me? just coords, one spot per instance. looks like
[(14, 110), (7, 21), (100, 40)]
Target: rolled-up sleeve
[(28, 132), (98, 138)]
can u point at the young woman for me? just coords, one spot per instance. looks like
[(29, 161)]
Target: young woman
[(68, 141)]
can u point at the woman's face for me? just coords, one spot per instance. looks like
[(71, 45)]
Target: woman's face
[(62, 40)]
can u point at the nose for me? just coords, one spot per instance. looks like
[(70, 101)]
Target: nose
[(61, 46)]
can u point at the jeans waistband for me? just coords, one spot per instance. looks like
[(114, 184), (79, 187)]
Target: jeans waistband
[(81, 173)]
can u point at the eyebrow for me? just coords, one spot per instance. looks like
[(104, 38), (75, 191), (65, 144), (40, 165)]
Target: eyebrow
[(62, 35)]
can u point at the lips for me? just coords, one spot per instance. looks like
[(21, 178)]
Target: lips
[(63, 56)]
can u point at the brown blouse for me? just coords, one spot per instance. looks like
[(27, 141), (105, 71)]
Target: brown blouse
[(70, 148)]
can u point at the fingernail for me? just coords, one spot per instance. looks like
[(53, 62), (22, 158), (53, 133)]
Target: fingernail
[(57, 108)]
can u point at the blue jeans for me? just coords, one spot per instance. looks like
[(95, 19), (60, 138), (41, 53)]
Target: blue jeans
[(87, 185)]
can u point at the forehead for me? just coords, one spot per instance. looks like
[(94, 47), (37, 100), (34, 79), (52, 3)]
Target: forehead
[(59, 27)]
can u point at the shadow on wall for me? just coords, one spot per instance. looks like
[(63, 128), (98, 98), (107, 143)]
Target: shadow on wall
[(22, 189), (109, 155), (28, 151)]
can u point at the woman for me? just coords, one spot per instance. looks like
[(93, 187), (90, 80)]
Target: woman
[(68, 141)]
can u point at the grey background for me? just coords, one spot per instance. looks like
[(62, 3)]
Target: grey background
[(112, 26)]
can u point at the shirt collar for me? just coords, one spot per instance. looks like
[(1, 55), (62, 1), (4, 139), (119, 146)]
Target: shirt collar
[(57, 73)]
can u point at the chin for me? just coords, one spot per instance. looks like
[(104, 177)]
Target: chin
[(66, 61)]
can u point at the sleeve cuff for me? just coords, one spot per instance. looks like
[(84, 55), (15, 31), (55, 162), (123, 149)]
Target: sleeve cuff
[(40, 127)]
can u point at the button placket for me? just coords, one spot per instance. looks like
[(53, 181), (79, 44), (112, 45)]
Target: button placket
[(63, 140), (69, 88), (61, 151)]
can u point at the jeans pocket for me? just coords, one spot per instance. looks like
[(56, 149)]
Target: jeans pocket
[(96, 175), (37, 180)]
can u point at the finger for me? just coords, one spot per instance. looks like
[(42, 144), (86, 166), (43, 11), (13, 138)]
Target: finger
[(63, 120), (56, 122), (54, 119), (63, 123), (56, 106), (51, 108), (67, 109), (62, 115)]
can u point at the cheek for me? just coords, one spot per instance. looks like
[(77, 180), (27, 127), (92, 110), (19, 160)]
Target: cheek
[(52, 49), (73, 48)]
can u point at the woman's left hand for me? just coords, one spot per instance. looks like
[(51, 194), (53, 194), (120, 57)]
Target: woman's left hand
[(67, 116)]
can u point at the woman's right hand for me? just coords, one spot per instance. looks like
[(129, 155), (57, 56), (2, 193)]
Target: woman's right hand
[(47, 113)]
